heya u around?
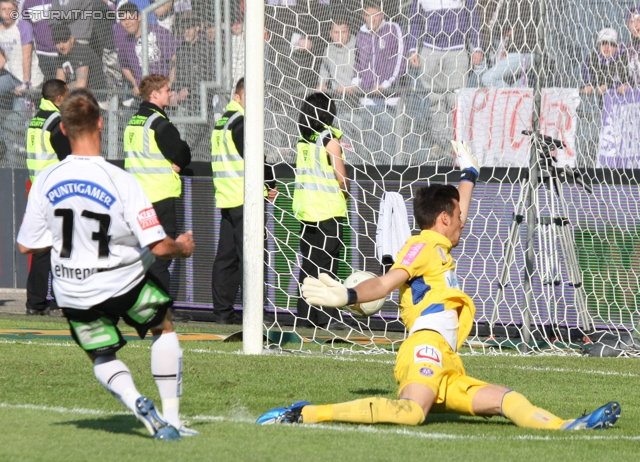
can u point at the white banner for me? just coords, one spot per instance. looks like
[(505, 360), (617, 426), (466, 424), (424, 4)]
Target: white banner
[(492, 121)]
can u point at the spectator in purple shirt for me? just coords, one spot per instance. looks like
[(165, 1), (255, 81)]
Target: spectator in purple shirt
[(36, 12), (445, 28), (128, 42), (605, 67), (379, 65)]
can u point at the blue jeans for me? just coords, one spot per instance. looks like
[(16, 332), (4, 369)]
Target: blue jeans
[(508, 72), (377, 131), (12, 124)]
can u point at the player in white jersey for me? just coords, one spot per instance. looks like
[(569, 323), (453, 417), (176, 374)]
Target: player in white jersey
[(104, 234)]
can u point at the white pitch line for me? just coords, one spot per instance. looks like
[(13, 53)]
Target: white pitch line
[(358, 358), (61, 410), (342, 428), (560, 369)]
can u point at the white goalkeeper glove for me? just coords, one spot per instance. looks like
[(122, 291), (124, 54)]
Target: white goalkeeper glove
[(467, 161), (325, 291)]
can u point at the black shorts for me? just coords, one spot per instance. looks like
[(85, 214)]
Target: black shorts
[(96, 329)]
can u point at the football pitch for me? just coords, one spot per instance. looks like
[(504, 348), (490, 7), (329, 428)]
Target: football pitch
[(52, 408)]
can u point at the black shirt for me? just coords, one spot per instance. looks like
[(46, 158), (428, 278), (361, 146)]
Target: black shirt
[(81, 56), (167, 136)]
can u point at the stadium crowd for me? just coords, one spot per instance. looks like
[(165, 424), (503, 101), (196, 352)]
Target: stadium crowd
[(386, 63)]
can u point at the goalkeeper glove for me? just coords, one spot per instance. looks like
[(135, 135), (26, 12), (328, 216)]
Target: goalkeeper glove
[(326, 291), (467, 162)]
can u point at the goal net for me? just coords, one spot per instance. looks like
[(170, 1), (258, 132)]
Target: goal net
[(550, 251)]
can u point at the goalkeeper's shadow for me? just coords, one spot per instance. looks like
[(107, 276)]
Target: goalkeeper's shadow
[(435, 418)]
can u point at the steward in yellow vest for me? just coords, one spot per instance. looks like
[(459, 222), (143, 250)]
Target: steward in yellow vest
[(319, 200), (46, 145), (155, 154), (227, 165)]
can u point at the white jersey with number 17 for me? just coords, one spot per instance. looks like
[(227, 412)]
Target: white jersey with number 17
[(98, 221)]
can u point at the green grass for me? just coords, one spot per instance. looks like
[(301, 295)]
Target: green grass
[(53, 409)]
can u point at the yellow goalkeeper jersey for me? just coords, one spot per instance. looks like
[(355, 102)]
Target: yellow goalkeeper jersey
[(431, 298)]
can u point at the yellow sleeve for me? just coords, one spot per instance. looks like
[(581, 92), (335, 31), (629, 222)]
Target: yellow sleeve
[(414, 258)]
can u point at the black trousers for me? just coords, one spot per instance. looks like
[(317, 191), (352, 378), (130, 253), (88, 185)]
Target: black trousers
[(166, 211), (38, 281), (226, 276), (48, 66), (320, 245)]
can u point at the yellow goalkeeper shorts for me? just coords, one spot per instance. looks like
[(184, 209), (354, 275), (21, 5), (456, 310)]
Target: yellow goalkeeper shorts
[(426, 358)]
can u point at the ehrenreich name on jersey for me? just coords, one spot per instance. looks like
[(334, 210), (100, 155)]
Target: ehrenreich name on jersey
[(98, 222)]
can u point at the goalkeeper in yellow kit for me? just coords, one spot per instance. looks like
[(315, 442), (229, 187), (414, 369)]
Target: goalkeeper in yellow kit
[(439, 317)]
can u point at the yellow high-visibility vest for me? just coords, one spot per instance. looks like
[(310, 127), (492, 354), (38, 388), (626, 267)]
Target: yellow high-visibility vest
[(227, 164), (317, 196), (40, 153), (145, 161)]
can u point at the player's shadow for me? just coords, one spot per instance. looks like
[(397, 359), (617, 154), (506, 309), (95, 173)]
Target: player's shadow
[(121, 424), (372, 391), (463, 419)]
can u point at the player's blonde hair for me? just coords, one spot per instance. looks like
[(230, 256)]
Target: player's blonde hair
[(151, 83), (80, 113)]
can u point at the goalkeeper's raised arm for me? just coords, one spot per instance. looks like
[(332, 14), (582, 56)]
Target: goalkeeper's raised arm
[(468, 164)]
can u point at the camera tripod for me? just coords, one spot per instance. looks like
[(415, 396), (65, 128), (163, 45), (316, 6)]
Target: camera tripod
[(553, 230)]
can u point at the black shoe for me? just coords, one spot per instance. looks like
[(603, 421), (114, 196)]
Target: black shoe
[(268, 318), (56, 313), (233, 319), (180, 316), (336, 325), (34, 312)]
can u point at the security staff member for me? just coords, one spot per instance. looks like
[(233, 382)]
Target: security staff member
[(155, 154), (319, 200), (46, 145), (227, 164)]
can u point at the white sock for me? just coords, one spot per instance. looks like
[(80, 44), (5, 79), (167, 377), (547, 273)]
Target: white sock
[(166, 367), (116, 377)]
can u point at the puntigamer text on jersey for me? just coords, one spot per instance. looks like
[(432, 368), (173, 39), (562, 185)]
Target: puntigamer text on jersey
[(93, 191)]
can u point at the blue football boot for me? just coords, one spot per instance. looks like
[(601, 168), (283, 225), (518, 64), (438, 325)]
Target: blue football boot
[(290, 414), (147, 414), (603, 417)]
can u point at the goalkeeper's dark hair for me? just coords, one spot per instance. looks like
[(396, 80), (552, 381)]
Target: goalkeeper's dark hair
[(430, 201), (316, 113), (53, 88)]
